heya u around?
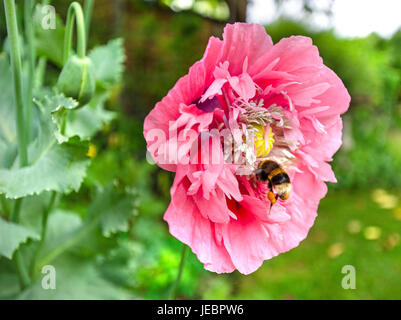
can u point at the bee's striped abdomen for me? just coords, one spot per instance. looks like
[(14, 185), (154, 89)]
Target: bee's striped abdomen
[(279, 178)]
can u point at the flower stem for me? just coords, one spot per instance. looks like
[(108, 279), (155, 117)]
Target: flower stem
[(88, 8), (12, 30), (19, 262), (45, 217), (173, 289), (15, 57), (4, 206), (30, 37), (40, 72), (75, 13)]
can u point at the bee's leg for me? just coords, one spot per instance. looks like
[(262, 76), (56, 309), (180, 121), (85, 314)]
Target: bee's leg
[(272, 198)]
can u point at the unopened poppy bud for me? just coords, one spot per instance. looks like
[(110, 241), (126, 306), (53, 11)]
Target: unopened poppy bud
[(76, 80)]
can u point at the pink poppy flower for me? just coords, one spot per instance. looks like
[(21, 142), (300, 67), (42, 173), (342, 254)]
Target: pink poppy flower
[(245, 101)]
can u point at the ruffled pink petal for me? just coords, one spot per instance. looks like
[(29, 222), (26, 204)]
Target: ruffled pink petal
[(186, 90), (286, 236), (245, 240), (336, 96), (215, 208), (190, 227), (320, 145), (243, 86), (243, 41)]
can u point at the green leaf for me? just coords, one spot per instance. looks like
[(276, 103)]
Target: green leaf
[(88, 120), (32, 209), (69, 121), (49, 43), (60, 168), (9, 282), (76, 278), (52, 166), (62, 226), (58, 106), (114, 209), (108, 62), (110, 212), (12, 236)]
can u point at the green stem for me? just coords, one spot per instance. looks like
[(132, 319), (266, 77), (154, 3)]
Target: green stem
[(40, 72), (4, 206), (43, 232), (14, 217), (18, 259), (28, 12), (88, 8), (12, 30), (174, 286), (75, 13)]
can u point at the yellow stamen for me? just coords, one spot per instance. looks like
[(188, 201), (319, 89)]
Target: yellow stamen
[(264, 140)]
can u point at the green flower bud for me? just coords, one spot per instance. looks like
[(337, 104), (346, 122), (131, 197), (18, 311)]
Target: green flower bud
[(77, 80)]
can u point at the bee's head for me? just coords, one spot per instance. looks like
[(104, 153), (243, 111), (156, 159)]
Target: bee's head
[(283, 190)]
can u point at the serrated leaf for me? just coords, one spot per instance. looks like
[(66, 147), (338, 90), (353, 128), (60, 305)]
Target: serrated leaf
[(113, 209), (12, 236), (58, 106), (108, 62)]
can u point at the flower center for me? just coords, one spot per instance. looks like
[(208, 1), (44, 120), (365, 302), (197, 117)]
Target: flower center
[(264, 140), (264, 137)]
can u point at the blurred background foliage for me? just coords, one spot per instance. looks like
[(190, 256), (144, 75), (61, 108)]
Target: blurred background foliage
[(359, 222)]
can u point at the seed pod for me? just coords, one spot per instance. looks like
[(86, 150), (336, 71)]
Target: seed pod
[(76, 80)]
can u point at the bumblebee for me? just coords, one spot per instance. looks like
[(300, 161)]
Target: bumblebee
[(278, 180)]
